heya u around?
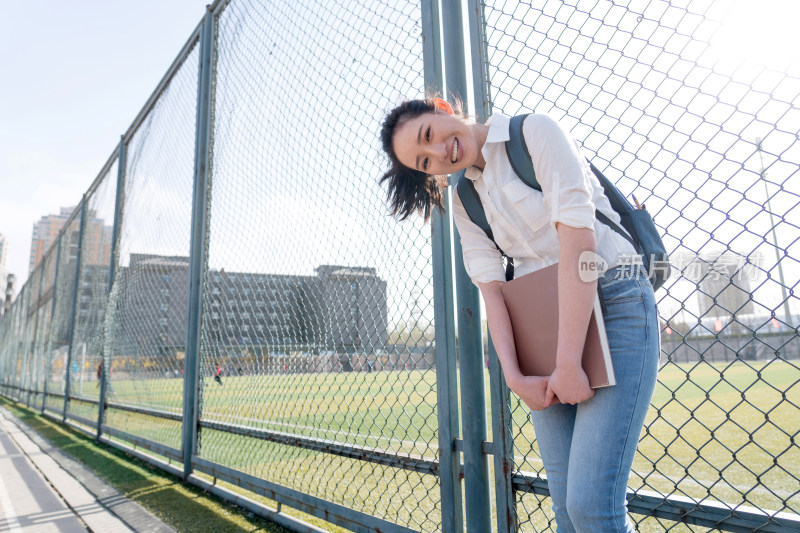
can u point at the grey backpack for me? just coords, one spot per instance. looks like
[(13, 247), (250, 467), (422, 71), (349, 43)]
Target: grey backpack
[(639, 228)]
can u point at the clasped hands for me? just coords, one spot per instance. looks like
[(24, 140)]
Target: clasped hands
[(567, 384)]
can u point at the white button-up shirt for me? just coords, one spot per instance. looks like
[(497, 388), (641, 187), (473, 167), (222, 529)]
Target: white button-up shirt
[(523, 220)]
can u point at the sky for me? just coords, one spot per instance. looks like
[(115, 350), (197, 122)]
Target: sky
[(678, 90), (75, 75), (87, 70), (82, 72)]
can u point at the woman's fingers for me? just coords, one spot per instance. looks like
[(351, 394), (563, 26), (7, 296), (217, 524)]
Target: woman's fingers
[(548, 396)]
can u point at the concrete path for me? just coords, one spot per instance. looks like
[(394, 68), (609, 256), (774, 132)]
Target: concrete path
[(42, 490)]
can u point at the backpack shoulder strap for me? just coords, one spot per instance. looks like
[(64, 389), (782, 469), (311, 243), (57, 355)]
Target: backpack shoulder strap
[(518, 155), (474, 208), (522, 163), (472, 204), (619, 204)]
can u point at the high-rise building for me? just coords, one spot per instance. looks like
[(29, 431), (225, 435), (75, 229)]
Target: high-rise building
[(96, 238), (44, 235), (6, 293)]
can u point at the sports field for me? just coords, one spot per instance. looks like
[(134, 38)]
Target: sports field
[(721, 431)]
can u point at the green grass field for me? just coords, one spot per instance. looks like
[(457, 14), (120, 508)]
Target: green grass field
[(183, 507), (722, 431)]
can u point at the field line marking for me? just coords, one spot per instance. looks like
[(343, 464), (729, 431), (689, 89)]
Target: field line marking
[(327, 431), (703, 484)]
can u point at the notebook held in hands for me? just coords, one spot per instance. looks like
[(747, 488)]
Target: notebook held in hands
[(532, 303)]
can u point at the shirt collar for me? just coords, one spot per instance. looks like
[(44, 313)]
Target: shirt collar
[(498, 129), (498, 133)]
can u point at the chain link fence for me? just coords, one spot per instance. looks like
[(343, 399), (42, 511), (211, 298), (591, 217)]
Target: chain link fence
[(148, 302), (233, 266), (320, 327), (681, 105), (54, 355), (64, 253), (91, 297)]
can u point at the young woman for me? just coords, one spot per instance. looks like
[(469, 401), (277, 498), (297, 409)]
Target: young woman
[(587, 438)]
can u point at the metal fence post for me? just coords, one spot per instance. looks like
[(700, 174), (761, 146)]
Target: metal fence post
[(446, 372), (470, 347), (479, 54), (50, 326), (197, 253), (32, 349), (74, 302), (502, 437), (19, 370), (473, 399), (503, 448), (122, 153), (444, 308)]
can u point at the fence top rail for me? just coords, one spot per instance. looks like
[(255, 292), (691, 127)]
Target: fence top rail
[(218, 5), (39, 266), (106, 167), (182, 55), (91, 190), (176, 64), (50, 249)]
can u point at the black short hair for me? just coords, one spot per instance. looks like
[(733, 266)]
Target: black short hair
[(410, 190)]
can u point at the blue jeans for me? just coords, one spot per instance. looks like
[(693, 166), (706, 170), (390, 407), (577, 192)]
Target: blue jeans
[(588, 449)]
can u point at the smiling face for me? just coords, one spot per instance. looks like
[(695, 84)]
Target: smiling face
[(439, 143)]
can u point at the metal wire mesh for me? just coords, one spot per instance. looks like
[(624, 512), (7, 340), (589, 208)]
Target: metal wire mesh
[(12, 324), (317, 308), (7, 331), (317, 315), (41, 311), (29, 337), (23, 345), (148, 299), (46, 298), (52, 354), (92, 297), (706, 138), (66, 256)]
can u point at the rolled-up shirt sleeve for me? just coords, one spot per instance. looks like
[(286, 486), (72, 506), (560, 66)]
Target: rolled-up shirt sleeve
[(482, 259), (562, 172)]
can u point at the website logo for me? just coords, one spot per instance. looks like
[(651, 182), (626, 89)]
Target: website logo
[(591, 266)]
